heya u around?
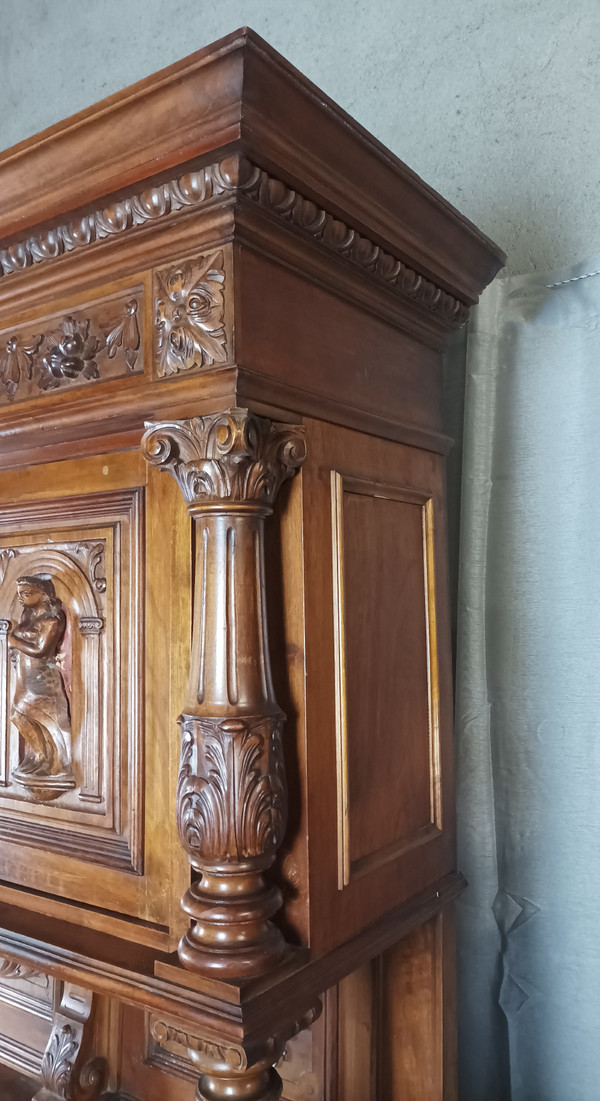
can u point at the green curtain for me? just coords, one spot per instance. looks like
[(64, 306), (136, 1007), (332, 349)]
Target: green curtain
[(528, 693)]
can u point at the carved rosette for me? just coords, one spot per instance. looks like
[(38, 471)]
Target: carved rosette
[(231, 798)]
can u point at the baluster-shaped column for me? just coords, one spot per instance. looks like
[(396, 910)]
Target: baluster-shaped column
[(231, 798)]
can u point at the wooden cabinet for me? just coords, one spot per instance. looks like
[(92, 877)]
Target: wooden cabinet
[(226, 803)]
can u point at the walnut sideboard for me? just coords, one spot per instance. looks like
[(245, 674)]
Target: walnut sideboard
[(226, 808)]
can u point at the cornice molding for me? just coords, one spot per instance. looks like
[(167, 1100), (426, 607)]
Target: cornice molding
[(193, 189), (236, 176)]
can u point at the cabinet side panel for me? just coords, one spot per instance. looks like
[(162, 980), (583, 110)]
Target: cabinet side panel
[(378, 683)]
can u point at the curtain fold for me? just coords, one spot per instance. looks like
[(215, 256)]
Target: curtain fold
[(528, 693)]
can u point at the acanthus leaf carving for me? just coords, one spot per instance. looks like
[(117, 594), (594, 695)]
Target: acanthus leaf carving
[(232, 455), (58, 1060), (64, 1078), (190, 329), (93, 555), (5, 556), (17, 361), (13, 970), (231, 796)]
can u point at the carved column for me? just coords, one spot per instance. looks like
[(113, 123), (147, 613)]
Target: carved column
[(231, 797), (233, 1071)]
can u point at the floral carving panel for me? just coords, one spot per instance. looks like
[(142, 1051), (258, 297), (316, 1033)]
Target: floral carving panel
[(190, 323), (95, 342)]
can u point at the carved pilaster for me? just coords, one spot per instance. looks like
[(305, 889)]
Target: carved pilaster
[(4, 683), (231, 796), (65, 1076), (90, 628)]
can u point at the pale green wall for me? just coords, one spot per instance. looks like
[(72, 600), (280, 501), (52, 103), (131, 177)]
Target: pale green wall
[(494, 102)]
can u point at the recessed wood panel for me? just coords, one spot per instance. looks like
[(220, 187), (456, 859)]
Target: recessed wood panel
[(378, 703), (386, 671), (27, 999)]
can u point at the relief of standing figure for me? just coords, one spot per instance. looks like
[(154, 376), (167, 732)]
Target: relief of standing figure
[(40, 707)]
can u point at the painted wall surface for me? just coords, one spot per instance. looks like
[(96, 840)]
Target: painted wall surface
[(493, 102)]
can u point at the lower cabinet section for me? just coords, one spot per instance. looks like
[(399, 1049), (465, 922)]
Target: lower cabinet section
[(385, 1034)]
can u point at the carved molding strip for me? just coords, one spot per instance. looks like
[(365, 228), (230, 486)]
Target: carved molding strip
[(341, 238), (11, 969), (228, 1057), (190, 190), (237, 176), (173, 1032)]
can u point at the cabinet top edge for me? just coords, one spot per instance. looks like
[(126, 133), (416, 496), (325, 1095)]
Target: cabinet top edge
[(240, 94)]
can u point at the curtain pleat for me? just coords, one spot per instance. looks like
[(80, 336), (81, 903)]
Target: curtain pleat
[(528, 693)]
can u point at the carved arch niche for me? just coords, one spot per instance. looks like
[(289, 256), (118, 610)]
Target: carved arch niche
[(81, 661), (77, 797)]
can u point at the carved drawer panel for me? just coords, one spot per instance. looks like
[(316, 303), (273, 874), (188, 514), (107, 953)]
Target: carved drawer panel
[(95, 341)]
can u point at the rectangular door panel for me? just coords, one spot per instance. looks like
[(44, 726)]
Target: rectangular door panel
[(94, 583)]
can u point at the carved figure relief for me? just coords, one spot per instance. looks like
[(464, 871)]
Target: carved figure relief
[(69, 719), (97, 342), (190, 326), (40, 708)]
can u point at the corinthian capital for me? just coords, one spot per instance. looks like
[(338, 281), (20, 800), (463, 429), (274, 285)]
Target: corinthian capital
[(229, 456)]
